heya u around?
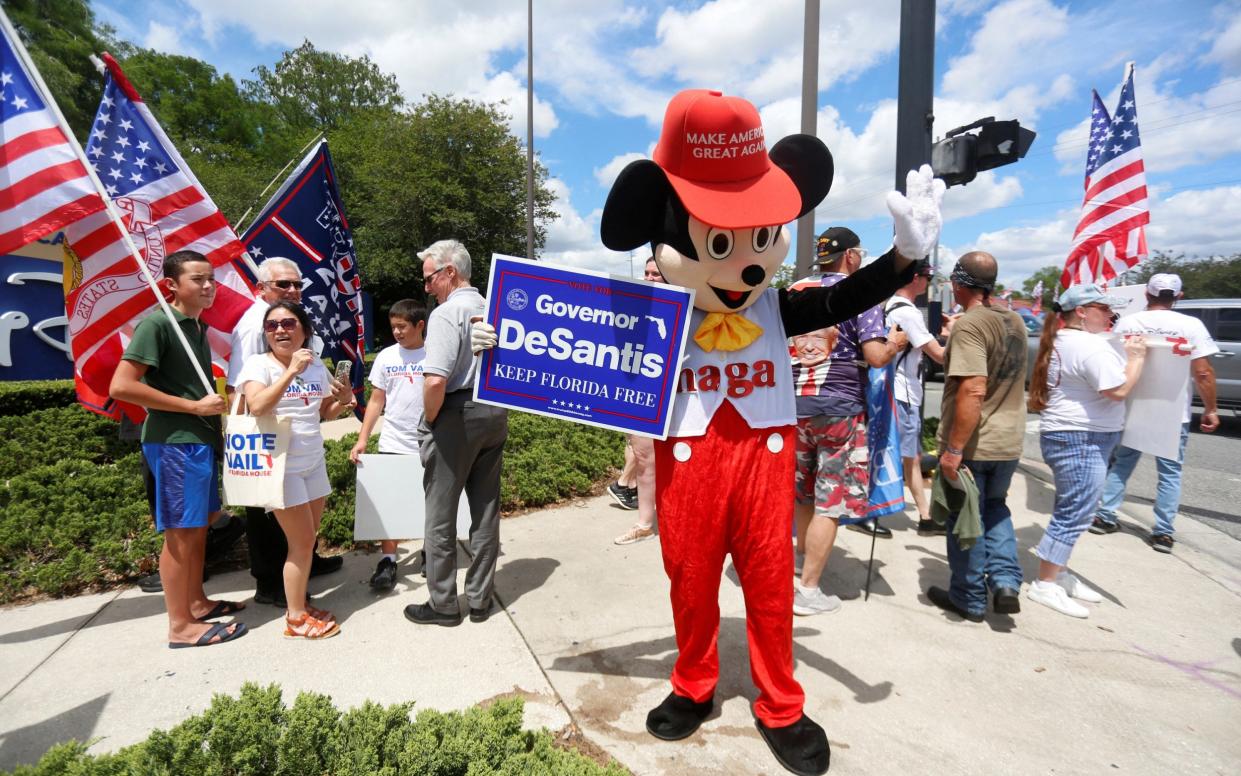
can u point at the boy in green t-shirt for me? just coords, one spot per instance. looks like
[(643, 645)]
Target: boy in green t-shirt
[(180, 441)]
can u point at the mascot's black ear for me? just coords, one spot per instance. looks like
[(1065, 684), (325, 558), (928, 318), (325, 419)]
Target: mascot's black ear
[(808, 162), (634, 212)]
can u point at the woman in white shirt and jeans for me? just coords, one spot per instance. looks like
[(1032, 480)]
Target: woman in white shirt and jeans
[(1079, 384), (290, 381)]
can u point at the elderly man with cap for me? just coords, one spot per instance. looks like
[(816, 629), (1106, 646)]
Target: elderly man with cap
[(829, 375), (1159, 320), (982, 429)]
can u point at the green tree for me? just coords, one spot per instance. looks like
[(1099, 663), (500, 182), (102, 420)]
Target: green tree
[(1212, 277), (447, 168), (323, 90)]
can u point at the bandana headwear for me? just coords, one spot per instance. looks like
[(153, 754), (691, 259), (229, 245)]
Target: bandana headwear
[(962, 277), (726, 331)]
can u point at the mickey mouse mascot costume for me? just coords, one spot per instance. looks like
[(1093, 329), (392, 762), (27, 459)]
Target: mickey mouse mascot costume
[(712, 205)]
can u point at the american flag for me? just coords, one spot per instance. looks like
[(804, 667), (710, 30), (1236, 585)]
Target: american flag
[(1111, 235), (43, 184), (165, 210), (305, 222)]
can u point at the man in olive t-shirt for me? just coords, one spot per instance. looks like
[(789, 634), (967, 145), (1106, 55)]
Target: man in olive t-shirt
[(982, 428)]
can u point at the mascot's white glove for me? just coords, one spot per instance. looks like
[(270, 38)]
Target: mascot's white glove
[(482, 336), (916, 213)]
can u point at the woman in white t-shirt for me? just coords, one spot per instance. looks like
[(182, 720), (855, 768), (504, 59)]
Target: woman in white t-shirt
[(1079, 384), (291, 382)]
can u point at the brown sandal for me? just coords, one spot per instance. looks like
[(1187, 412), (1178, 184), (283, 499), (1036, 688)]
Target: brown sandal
[(320, 614), (310, 627)]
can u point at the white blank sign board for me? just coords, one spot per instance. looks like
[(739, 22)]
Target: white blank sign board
[(390, 502)]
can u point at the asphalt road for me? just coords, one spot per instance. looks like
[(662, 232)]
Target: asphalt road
[(1210, 479)]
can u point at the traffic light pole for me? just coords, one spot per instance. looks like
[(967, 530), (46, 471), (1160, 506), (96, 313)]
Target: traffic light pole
[(915, 90)]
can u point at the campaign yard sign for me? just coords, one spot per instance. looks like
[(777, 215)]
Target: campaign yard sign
[(583, 346)]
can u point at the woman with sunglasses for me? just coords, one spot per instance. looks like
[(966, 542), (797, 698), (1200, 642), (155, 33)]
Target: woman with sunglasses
[(1079, 384), (290, 381)]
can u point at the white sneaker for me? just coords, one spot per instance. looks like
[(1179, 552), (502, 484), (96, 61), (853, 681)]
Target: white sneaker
[(812, 600), (1078, 589), (1052, 596), (799, 563)]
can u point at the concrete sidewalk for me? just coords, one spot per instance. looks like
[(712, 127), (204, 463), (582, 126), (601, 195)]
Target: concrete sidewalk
[(1151, 683)]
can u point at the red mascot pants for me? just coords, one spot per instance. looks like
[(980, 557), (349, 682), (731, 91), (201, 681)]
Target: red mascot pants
[(731, 492)]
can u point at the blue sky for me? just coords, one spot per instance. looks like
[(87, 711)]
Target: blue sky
[(604, 71)]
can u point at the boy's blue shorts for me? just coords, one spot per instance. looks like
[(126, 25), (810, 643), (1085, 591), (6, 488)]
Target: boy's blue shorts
[(187, 484)]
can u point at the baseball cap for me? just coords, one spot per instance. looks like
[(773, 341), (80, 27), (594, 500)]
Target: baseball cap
[(713, 151), (1164, 281), (923, 268), (834, 240), (1089, 293)]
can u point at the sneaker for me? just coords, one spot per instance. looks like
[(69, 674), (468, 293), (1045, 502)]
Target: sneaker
[(929, 527), (626, 497), (1075, 588), (1052, 596), (384, 578), (1161, 543), (812, 600), (1100, 526), (636, 534)]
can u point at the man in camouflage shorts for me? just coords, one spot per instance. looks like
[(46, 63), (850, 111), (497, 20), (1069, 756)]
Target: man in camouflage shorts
[(829, 373)]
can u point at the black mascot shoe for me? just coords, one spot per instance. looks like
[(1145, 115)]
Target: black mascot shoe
[(801, 747), (677, 717)]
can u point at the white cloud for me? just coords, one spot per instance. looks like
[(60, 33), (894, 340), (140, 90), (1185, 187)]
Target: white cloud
[(1195, 222), (999, 58), (162, 37), (606, 175), (1226, 49), (987, 191)]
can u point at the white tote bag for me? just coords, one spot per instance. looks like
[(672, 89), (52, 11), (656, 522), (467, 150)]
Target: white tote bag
[(255, 449)]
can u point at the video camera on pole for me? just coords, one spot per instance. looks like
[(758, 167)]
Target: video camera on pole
[(960, 156)]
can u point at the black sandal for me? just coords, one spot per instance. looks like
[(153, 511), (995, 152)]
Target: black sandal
[(218, 629), (222, 609)]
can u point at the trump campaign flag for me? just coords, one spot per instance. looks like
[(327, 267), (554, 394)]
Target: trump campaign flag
[(43, 183), (305, 222), (165, 209), (887, 477)]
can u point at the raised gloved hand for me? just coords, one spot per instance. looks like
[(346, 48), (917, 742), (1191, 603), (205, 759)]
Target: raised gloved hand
[(916, 213), (482, 335)]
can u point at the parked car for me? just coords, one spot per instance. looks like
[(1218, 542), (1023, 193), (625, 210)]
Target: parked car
[(1222, 318)]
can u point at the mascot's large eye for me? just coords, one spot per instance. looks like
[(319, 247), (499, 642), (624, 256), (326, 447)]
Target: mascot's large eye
[(762, 237), (719, 243)]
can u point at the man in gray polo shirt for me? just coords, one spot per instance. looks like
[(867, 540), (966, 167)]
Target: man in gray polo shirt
[(462, 445)]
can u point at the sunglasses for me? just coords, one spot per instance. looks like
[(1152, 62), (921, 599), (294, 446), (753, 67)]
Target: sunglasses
[(288, 324), (285, 284), (427, 278)]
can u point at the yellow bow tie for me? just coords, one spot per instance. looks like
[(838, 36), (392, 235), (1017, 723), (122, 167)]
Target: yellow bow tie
[(726, 331)]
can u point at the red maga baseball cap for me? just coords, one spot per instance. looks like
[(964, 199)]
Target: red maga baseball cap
[(713, 151)]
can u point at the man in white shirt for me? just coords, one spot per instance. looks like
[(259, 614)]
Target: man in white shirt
[(1159, 320), (907, 387), (279, 279)]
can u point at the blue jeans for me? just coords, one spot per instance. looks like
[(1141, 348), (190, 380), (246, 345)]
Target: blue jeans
[(1167, 492), (1078, 461), (992, 561)]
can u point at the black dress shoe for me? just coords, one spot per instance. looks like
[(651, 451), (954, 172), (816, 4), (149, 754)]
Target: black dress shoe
[(320, 565), (800, 747), (423, 614), (1006, 600), (930, 528), (677, 717), (940, 598), (481, 613), (872, 527), (384, 578)]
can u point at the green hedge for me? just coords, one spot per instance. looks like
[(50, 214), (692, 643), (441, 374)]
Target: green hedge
[(256, 734), (73, 515), (22, 396)]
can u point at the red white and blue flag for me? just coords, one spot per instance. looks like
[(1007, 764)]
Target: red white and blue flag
[(43, 184), (305, 222), (165, 209), (1111, 234)]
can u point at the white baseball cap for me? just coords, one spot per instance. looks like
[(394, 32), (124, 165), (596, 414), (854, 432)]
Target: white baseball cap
[(1164, 281)]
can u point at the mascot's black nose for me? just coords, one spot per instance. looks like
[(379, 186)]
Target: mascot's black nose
[(753, 275)]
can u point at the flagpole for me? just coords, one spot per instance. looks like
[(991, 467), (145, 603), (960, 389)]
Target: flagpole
[(20, 50), (240, 221)]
